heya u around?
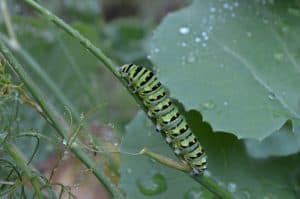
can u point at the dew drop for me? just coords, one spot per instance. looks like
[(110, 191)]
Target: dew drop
[(233, 15), (156, 50), (225, 103), (204, 45), (148, 56), (193, 193), (204, 34), (129, 170), (232, 187), (212, 9), (65, 142), (111, 125), (226, 5), (184, 30), (14, 44), (221, 65), (265, 21), (207, 173), (152, 183), (183, 44), (197, 39), (209, 105), (249, 34), (271, 96), (278, 56), (236, 4), (198, 193), (48, 36), (285, 29), (191, 59)]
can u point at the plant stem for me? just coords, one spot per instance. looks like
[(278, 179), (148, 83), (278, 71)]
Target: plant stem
[(213, 187), (21, 163), (53, 118)]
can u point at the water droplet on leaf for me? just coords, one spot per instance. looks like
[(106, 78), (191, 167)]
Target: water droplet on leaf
[(271, 96), (197, 39), (212, 9), (278, 56), (184, 30), (152, 183), (156, 50), (232, 187), (209, 105), (194, 193), (191, 58), (249, 34), (129, 170), (65, 142)]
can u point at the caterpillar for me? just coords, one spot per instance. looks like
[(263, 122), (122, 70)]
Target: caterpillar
[(174, 127)]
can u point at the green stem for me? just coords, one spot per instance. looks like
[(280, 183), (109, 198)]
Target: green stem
[(213, 187), (21, 163), (54, 119)]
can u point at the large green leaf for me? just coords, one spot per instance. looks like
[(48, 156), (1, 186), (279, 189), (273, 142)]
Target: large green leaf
[(237, 62), (228, 163)]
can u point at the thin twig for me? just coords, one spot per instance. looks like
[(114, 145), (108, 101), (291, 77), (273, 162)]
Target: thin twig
[(21, 163)]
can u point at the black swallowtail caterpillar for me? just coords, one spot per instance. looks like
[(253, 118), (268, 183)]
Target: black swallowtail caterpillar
[(169, 121)]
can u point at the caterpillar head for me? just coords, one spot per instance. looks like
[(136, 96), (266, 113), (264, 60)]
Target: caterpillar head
[(124, 70)]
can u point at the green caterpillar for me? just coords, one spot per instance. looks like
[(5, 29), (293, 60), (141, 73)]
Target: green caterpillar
[(169, 121)]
